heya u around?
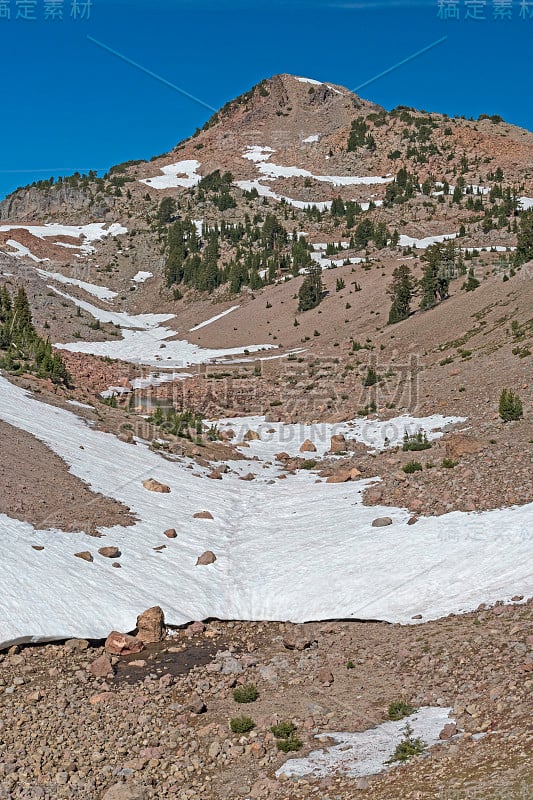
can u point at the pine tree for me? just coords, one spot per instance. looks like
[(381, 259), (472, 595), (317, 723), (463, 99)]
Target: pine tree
[(401, 293), (310, 293), (471, 282), (435, 281), (524, 250), (510, 406)]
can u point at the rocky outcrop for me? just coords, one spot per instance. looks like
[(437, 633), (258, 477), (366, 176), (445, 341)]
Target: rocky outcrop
[(34, 203)]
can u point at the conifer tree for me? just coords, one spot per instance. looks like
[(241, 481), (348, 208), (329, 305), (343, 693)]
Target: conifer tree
[(401, 293), (310, 293)]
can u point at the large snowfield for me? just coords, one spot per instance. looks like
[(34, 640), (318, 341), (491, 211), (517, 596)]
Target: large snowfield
[(289, 549)]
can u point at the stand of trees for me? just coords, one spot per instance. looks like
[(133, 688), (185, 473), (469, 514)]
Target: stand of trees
[(21, 348)]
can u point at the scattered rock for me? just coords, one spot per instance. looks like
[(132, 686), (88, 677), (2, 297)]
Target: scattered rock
[(196, 705), (308, 447), (251, 436), (124, 791), (206, 558), (110, 552), (85, 555), (325, 676), (101, 667), (203, 515), (171, 533), (122, 644), (151, 625), (381, 522), (449, 730), (154, 486), (338, 443), (248, 477)]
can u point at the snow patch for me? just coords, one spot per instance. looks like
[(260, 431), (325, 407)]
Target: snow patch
[(102, 292), (366, 753), (93, 232), (170, 180), (423, 244), (141, 277)]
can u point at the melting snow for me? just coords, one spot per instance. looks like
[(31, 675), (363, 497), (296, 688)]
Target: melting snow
[(261, 157), (310, 139), (526, 203), (366, 753), (21, 251), (93, 232), (277, 546), (170, 180), (141, 277), (423, 244), (144, 341), (102, 292)]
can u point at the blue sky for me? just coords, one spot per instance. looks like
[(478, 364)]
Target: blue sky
[(68, 104)]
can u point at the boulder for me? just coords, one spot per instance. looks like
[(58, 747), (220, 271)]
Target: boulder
[(124, 791), (248, 477), (122, 644), (325, 676), (215, 475), (171, 533), (449, 730), (461, 445), (203, 515), (101, 667), (84, 555), (196, 705), (151, 625), (110, 552), (381, 522), (308, 447), (154, 486), (206, 558), (338, 443), (251, 436), (340, 477)]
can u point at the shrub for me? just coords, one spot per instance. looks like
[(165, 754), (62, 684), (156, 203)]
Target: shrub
[(400, 709), (241, 724), (408, 747), (412, 466), (246, 694), (447, 463), (308, 464), (289, 745), (510, 406), (371, 377), (350, 665), (283, 730), (418, 441)]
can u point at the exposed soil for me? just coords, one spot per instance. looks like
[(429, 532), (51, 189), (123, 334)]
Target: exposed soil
[(165, 729), (38, 488)]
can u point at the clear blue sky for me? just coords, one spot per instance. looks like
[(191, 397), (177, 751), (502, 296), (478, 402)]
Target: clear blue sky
[(67, 104)]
